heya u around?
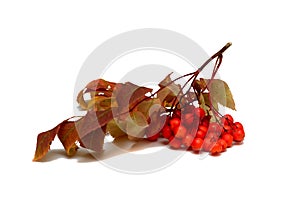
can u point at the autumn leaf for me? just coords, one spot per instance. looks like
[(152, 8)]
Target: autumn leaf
[(87, 130), (129, 95), (93, 140), (99, 87), (169, 91), (116, 129), (68, 136), (210, 102), (44, 141), (92, 121), (220, 92), (199, 85), (81, 101), (100, 103), (136, 125), (157, 121), (146, 106)]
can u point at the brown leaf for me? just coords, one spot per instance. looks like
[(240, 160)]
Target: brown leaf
[(199, 85), (97, 87), (157, 121), (88, 130), (93, 140), (44, 141), (92, 121), (128, 95), (169, 93), (100, 85), (91, 128), (81, 101), (68, 136)]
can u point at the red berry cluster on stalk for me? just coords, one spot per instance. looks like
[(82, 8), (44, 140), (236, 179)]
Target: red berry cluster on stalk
[(123, 109), (191, 128)]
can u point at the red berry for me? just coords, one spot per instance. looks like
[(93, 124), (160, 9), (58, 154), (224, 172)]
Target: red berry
[(215, 127), (175, 143), (199, 112), (207, 145), (200, 134), (227, 119), (227, 129), (166, 132), (167, 120), (203, 128), (187, 141), (217, 148), (205, 121), (223, 144), (181, 132), (171, 138), (238, 135), (189, 109), (177, 113), (196, 144), (213, 136), (152, 137), (175, 123), (188, 118), (238, 125), (228, 138)]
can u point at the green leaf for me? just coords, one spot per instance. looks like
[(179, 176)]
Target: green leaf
[(220, 93), (210, 102), (205, 103)]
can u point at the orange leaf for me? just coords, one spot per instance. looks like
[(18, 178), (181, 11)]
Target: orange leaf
[(44, 141), (68, 136)]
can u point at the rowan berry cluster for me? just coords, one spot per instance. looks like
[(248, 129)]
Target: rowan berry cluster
[(192, 128)]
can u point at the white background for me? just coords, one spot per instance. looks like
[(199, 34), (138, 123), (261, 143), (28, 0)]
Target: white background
[(43, 45)]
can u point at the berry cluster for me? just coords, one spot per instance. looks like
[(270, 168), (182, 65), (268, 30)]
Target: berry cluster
[(191, 128)]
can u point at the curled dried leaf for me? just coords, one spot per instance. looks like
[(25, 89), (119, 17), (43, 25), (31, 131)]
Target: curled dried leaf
[(44, 141), (169, 92)]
